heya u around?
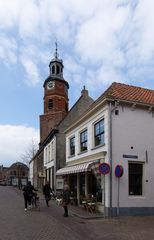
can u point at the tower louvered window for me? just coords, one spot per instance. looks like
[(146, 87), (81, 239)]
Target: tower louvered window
[(50, 104)]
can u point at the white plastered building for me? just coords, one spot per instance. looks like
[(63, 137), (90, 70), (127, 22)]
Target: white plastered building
[(118, 129)]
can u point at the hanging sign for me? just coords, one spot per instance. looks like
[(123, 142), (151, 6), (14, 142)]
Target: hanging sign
[(104, 168), (119, 171)]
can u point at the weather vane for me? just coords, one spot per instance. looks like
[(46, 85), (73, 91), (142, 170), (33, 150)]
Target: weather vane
[(56, 52)]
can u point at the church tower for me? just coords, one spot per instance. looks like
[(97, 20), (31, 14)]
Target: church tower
[(55, 97)]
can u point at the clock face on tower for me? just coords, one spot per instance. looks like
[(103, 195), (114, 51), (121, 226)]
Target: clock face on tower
[(50, 84)]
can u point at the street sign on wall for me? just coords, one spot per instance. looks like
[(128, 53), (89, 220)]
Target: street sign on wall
[(104, 168)]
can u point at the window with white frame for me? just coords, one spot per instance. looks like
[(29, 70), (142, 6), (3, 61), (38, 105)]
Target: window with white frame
[(52, 150), (99, 133), (49, 153), (83, 141), (46, 155), (135, 171), (72, 146)]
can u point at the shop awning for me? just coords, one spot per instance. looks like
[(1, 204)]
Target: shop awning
[(83, 167)]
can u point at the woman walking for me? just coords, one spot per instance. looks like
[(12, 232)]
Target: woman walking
[(66, 200), (47, 191)]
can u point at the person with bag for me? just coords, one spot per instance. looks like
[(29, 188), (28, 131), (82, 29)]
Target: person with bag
[(28, 192), (66, 199), (47, 192)]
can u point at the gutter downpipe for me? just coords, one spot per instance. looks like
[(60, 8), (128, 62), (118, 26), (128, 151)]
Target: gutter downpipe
[(55, 165), (110, 156), (110, 151)]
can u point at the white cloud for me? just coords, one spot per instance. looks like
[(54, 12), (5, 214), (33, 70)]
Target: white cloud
[(97, 37), (9, 13), (8, 49), (29, 21), (14, 141), (32, 73), (144, 22), (116, 36)]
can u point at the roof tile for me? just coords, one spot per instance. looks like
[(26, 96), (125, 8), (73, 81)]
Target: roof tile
[(120, 91)]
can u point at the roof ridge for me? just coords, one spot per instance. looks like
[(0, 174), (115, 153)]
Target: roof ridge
[(134, 86)]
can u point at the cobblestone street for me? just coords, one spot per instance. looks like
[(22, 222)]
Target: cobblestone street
[(49, 223), (16, 224)]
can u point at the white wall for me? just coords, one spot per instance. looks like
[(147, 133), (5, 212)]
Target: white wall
[(31, 171), (89, 125), (133, 128), (92, 153), (49, 154)]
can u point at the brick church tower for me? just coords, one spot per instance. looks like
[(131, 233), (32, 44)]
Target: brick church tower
[(55, 97)]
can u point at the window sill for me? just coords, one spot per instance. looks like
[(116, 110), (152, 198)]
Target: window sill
[(101, 145), (136, 196), (71, 156), (82, 152)]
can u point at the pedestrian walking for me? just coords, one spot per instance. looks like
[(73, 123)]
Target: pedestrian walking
[(66, 199), (47, 191), (28, 192)]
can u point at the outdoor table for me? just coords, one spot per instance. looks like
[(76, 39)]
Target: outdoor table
[(84, 203), (91, 206)]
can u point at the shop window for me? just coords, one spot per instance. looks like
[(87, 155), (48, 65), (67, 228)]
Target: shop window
[(135, 178), (82, 185), (72, 146), (99, 133), (83, 141), (92, 185)]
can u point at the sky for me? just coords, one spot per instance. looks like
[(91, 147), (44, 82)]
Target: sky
[(99, 41)]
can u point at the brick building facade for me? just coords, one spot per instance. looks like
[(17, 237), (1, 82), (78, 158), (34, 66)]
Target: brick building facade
[(55, 109)]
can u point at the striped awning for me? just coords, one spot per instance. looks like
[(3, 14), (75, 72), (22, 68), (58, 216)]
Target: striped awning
[(83, 167)]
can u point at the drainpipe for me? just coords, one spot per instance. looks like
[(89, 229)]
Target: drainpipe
[(110, 156), (55, 166), (110, 150)]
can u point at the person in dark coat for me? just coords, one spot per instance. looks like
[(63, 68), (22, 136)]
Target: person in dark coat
[(66, 199), (28, 192), (47, 191)]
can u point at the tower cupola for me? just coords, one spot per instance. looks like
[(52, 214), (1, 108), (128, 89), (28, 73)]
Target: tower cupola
[(55, 97), (56, 66)]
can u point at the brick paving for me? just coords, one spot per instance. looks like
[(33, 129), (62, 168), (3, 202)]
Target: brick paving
[(17, 224), (49, 223)]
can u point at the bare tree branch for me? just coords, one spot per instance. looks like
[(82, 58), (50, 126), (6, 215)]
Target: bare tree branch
[(29, 152)]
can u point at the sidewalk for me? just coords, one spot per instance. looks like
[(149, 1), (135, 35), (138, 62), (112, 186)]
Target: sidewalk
[(77, 211), (80, 212)]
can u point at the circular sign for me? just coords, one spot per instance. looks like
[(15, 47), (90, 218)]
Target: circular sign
[(104, 168), (119, 171)]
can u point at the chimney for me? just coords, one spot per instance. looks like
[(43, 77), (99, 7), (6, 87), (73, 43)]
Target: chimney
[(84, 92)]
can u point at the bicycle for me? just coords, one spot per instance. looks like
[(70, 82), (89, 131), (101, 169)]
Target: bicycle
[(35, 202)]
